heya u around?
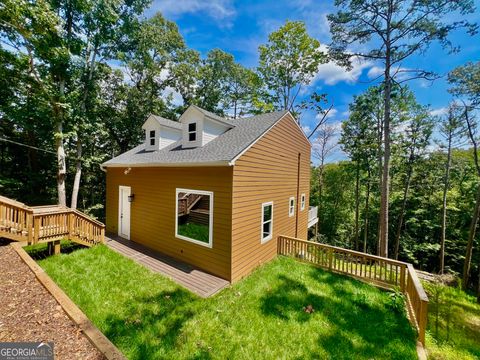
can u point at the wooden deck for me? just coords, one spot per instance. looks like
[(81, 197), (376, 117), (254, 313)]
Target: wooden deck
[(194, 279), (50, 223)]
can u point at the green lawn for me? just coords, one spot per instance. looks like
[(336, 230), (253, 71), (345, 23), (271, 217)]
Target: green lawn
[(456, 335), (194, 231), (262, 317)]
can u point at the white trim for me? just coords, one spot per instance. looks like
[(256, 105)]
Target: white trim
[(269, 237), (303, 201), (291, 208), (126, 236), (210, 220)]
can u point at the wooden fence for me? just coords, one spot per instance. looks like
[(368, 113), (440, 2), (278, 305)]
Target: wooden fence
[(382, 272), (47, 223)]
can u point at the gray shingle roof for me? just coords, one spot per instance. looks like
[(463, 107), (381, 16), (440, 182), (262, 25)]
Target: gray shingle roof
[(167, 122), (222, 149)]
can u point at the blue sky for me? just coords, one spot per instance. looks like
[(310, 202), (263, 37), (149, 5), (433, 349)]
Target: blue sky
[(239, 27)]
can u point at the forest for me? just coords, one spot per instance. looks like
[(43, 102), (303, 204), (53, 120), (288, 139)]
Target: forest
[(79, 77)]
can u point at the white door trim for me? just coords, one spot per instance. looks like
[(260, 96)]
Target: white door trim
[(121, 209)]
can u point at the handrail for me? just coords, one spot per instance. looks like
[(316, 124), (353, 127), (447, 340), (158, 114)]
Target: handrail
[(380, 271), (22, 223)]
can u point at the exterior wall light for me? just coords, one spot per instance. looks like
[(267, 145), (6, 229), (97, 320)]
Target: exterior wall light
[(131, 197)]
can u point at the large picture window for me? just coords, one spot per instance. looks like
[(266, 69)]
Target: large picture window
[(267, 222), (194, 216)]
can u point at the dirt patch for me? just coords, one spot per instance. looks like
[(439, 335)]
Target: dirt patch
[(30, 313)]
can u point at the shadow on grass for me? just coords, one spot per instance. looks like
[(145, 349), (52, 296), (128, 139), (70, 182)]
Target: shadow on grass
[(151, 326), (350, 322), (40, 251)]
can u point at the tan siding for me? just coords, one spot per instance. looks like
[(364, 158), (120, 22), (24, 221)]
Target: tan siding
[(153, 212), (268, 172)]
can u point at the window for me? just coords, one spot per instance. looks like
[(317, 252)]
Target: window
[(267, 222), (194, 217), (302, 202), (291, 206), (192, 131), (152, 137)]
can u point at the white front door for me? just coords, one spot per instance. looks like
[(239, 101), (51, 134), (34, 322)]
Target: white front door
[(124, 212)]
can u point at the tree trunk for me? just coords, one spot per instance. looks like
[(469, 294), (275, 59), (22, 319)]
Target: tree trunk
[(402, 211), (61, 160), (78, 175), (384, 197), (367, 200), (471, 238), (357, 203), (320, 194), (476, 210), (444, 205)]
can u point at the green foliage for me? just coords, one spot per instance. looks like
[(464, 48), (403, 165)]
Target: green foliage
[(262, 314), (453, 323), (287, 62)]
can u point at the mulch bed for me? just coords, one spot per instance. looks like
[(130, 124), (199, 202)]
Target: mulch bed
[(28, 312)]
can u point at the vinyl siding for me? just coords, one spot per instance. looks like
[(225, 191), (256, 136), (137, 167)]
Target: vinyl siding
[(268, 172), (153, 212)]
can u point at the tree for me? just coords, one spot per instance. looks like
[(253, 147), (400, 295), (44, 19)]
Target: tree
[(450, 129), (288, 62), (414, 142), (241, 89), (394, 30), (322, 147)]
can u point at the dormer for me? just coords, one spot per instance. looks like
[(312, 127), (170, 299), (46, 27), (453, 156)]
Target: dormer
[(160, 132), (199, 127)]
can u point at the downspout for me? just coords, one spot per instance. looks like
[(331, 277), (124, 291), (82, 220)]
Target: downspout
[(298, 194)]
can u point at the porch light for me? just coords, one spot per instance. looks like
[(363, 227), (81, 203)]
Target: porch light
[(131, 197)]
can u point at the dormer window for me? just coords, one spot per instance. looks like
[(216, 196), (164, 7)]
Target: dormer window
[(192, 132), (152, 137)]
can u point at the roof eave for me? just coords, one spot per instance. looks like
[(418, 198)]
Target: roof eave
[(178, 164)]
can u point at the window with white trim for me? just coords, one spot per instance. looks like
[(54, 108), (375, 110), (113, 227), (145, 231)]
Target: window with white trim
[(267, 222), (302, 202), (192, 132), (194, 216), (152, 137), (291, 206)]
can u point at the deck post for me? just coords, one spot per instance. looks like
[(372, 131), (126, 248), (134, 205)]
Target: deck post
[(402, 279), (330, 258), (36, 231), (30, 228)]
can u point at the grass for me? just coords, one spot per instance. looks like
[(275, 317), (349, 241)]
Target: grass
[(194, 231), (149, 317), (456, 335)]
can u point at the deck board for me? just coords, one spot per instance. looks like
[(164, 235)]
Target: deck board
[(190, 277)]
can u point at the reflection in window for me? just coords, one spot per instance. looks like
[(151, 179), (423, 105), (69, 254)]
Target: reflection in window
[(267, 221), (194, 216)]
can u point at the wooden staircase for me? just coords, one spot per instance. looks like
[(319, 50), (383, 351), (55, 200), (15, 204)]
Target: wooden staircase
[(36, 224)]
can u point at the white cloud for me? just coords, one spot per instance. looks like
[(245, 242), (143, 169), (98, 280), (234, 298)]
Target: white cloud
[(217, 9), (439, 112), (331, 114), (374, 72), (331, 73), (306, 129)]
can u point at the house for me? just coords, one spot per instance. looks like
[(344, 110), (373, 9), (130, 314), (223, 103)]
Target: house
[(213, 192)]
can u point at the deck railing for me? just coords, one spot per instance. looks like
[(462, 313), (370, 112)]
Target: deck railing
[(383, 272), (40, 224)]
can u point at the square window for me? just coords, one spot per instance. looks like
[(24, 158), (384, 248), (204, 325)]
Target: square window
[(192, 127), (152, 133), (194, 216), (192, 136), (152, 142)]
